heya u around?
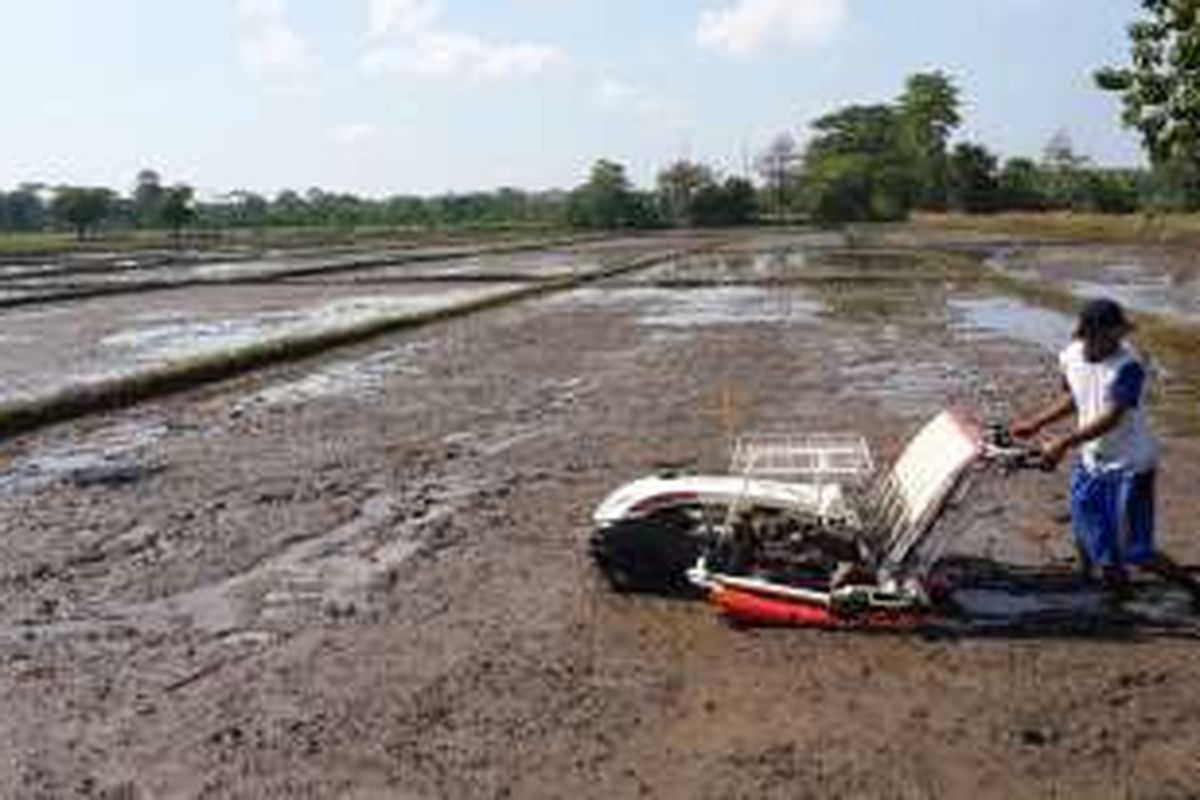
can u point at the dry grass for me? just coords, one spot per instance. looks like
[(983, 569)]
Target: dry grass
[(1163, 229), (35, 244)]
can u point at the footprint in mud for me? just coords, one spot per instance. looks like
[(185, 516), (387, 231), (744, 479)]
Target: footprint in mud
[(329, 576), (112, 457)]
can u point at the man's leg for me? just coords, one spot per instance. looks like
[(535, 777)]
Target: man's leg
[(1095, 518), (1140, 535)]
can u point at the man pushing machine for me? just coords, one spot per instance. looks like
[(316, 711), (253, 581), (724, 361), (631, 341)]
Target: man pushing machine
[(1105, 383)]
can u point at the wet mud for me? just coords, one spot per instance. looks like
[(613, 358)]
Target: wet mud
[(364, 575)]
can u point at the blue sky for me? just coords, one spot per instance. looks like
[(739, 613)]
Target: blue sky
[(394, 96)]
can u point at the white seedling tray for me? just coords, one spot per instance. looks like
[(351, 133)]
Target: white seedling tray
[(833, 457)]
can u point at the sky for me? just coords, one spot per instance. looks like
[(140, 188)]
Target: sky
[(384, 97)]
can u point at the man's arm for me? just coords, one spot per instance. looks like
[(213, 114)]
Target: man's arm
[(1057, 450), (1063, 407)]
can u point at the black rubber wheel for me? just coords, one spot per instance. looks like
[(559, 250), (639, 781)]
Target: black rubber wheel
[(650, 555)]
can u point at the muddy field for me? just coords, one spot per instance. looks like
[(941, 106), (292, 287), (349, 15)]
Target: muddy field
[(364, 575)]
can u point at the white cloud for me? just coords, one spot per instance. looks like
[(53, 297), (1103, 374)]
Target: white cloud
[(418, 44), (448, 54), (269, 44), (352, 133), (742, 28), (402, 16)]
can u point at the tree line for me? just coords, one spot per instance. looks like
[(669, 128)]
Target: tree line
[(152, 205)]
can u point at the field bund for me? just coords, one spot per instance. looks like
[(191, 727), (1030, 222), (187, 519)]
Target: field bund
[(66, 359)]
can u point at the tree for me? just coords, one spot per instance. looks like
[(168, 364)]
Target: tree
[(1065, 172), (249, 209), (929, 114), (26, 211), (678, 186), (856, 168), (735, 202), (178, 209), (148, 198), (1160, 90), (608, 201), (777, 166), (973, 184), (289, 208), (82, 208), (1022, 186), (1112, 191)]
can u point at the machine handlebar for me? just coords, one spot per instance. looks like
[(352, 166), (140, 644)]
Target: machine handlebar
[(1001, 448)]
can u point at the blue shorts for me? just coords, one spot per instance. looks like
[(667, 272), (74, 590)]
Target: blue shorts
[(1113, 516)]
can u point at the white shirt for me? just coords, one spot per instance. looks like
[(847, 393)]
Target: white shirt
[(1121, 379)]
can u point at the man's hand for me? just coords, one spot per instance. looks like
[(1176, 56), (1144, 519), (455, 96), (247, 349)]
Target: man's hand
[(1024, 430), (1055, 452)]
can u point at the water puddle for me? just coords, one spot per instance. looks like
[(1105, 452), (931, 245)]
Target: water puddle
[(1011, 318), (702, 307), (732, 267), (27, 270), (360, 377), (1161, 295), (1138, 282), (116, 455), (176, 337), (790, 240), (1150, 604)]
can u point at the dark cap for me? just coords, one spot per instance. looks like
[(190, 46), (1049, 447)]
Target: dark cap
[(1101, 315)]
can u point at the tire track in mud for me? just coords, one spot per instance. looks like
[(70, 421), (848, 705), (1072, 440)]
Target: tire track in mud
[(333, 574)]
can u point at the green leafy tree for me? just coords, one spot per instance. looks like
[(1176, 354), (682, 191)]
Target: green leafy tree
[(148, 195), (1112, 191), (734, 202), (678, 186), (249, 209), (1160, 91), (974, 187), (26, 211), (82, 208), (929, 114), (178, 209), (1022, 186), (607, 201), (856, 167), (288, 208)]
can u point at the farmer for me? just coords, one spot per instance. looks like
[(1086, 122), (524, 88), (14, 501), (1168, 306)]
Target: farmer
[(1105, 384)]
